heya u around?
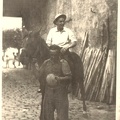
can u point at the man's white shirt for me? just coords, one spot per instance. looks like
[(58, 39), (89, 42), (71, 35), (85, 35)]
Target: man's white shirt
[(60, 38)]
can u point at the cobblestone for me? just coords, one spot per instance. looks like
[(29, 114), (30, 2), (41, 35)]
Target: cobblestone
[(20, 100)]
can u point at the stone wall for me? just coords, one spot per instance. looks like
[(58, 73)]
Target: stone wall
[(87, 16), (98, 18)]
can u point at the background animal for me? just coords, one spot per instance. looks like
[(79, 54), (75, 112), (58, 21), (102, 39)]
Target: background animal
[(10, 56)]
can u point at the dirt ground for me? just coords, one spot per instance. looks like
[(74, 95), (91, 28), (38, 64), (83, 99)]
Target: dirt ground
[(20, 100)]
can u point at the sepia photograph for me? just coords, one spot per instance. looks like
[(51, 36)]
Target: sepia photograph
[(59, 60)]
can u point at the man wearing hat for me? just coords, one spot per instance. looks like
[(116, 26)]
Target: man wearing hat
[(54, 80), (64, 38), (60, 35)]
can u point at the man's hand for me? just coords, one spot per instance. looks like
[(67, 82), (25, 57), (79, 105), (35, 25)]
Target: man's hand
[(57, 78), (64, 49), (62, 78)]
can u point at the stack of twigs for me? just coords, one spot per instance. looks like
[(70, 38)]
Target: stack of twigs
[(91, 60), (99, 70), (99, 75), (107, 91)]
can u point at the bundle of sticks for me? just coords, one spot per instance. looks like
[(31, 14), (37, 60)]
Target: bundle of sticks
[(99, 74), (107, 92), (99, 69)]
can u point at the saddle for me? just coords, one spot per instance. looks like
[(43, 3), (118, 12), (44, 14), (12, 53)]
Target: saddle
[(69, 58), (76, 67)]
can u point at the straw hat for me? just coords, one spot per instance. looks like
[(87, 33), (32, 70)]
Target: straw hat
[(58, 16), (51, 80)]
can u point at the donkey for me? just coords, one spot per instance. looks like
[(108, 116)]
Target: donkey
[(38, 50)]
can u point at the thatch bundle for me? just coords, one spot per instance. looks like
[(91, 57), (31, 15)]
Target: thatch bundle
[(99, 69), (107, 91), (99, 74)]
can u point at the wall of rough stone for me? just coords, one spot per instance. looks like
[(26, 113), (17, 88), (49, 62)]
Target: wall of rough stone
[(98, 18), (87, 16)]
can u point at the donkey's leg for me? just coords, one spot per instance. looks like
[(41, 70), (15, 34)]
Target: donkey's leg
[(79, 77), (80, 74)]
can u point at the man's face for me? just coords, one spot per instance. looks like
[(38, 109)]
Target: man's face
[(60, 23), (54, 55)]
